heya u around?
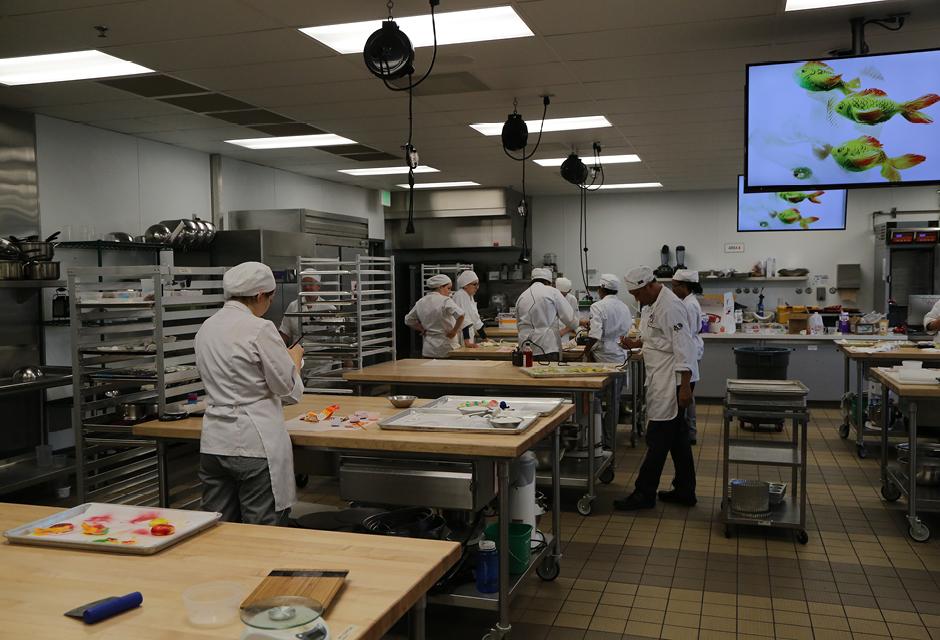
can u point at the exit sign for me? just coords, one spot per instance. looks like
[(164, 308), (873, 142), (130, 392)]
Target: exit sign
[(386, 198), (734, 247)]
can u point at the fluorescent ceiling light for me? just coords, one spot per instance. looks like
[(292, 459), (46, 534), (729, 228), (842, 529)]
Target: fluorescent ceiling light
[(291, 142), (632, 185), (61, 67), (442, 185), (453, 27), (386, 171), (557, 162), (551, 124), (801, 5)]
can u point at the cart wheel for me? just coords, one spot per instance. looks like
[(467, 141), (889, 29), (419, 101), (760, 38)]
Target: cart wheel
[(549, 569), (728, 530), (802, 537), (607, 476), (890, 492), (862, 451), (302, 480), (919, 532), (584, 506), (844, 430)]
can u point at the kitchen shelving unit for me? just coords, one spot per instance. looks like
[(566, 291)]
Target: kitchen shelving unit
[(132, 336), (451, 270), (358, 331), (761, 405)]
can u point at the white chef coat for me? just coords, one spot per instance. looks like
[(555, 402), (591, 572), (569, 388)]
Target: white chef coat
[(668, 349), (291, 326), (573, 301), (471, 316), (610, 319), (695, 324), (437, 314), (538, 311), (246, 371), (933, 314)]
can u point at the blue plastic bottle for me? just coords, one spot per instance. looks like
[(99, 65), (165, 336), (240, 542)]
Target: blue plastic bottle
[(487, 573)]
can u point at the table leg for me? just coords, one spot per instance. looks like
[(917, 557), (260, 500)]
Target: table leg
[(847, 386), (804, 437), (504, 626), (556, 493), (726, 471), (912, 466), (885, 422), (417, 620), (634, 406), (163, 474), (860, 407), (584, 505)]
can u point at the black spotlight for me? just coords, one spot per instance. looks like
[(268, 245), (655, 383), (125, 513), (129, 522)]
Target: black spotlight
[(388, 52), (574, 170), (515, 133)]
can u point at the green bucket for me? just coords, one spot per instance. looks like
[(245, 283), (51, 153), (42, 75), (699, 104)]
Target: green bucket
[(520, 544)]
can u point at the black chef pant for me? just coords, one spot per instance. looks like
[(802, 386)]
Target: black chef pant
[(667, 437)]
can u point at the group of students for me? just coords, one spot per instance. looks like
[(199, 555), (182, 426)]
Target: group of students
[(669, 336)]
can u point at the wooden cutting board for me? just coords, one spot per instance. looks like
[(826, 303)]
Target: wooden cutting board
[(321, 586)]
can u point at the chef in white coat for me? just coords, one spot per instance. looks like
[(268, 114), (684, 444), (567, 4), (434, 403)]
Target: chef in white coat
[(538, 311), (246, 463), (668, 355), (932, 321), (292, 328), (610, 320), (437, 318), (467, 286), (564, 285), (686, 286)]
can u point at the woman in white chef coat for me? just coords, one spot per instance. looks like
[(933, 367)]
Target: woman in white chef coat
[(437, 318), (539, 310), (246, 464), (686, 287), (932, 321), (564, 285), (467, 286)]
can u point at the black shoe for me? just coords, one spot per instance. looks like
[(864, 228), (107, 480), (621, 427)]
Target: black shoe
[(634, 502), (677, 498)]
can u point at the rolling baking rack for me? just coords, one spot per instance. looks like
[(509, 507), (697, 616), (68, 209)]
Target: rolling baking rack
[(767, 400), (132, 334), (359, 329)]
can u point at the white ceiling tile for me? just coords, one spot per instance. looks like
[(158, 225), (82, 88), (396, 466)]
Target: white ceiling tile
[(109, 110)]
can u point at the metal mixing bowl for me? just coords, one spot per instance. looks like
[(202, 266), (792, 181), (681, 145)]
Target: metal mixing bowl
[(402, 402)]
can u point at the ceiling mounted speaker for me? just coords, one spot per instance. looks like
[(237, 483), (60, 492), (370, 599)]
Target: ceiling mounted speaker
[(574, 170), (388, 52), (515, 133)]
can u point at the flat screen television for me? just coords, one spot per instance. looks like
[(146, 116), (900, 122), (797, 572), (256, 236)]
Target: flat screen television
[(859, 121), (804, 210)]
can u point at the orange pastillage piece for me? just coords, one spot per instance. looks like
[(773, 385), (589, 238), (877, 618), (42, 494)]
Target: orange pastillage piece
[(94, 529), (54, 530)]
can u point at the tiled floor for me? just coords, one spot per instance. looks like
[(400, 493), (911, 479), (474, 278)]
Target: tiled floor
[(671, 573)]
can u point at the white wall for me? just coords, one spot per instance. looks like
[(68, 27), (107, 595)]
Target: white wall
[(625, 230), (251, 186)]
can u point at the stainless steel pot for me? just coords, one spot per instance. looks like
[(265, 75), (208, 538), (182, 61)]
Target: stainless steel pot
[(139, 411), (157, 233), (27, 374), (41, 270), (11, 270), (9, 251), (36, 250), (119, 236)]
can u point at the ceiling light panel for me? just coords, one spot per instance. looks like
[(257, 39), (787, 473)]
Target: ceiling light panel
[(292, 142), (62, 67), (802, 5), (632, 185), (387, 171), (621, 159), (548, 125), (453, 27), (442, 185)]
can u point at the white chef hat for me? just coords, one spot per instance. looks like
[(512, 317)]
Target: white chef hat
[(638, 277), (610, 282), (248, 279), (685, 275), (563, 284), (307, 275), (465, 278), (438, 281), (541, 273)]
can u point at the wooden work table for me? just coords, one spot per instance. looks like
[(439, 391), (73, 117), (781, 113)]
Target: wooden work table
[(894, 355), (504, 352), (483, 373), (387, 577), (906, 390), (373, 438)]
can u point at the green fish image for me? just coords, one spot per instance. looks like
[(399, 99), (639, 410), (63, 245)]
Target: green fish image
[(865, 153), (819, 76), (873, 106), (796, 197), (792, 216), (802, 173)]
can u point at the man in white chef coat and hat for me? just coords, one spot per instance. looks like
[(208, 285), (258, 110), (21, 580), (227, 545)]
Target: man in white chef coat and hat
[(564, 285), (246, 462), (468, 283), (437, 318), (538, 312), (685, 285), (668, 356)]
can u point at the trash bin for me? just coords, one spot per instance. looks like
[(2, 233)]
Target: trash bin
[(762, 363)]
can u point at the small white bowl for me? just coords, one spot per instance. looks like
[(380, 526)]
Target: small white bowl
[(213, 604), (912, 364), (505, 422)]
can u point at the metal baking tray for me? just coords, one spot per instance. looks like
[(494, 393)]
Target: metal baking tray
[(445, 420), (120, 528), (573, 370), (767, 387), (536, 406)]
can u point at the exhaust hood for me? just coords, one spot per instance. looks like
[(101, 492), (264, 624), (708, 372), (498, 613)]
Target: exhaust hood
[(456, 219)]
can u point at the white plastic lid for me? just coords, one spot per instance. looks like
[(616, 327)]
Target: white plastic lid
[(487, 545)]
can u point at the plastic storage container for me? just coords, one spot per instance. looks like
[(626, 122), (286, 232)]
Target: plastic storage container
[(487, 572), (762, 363), (213, 604)]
